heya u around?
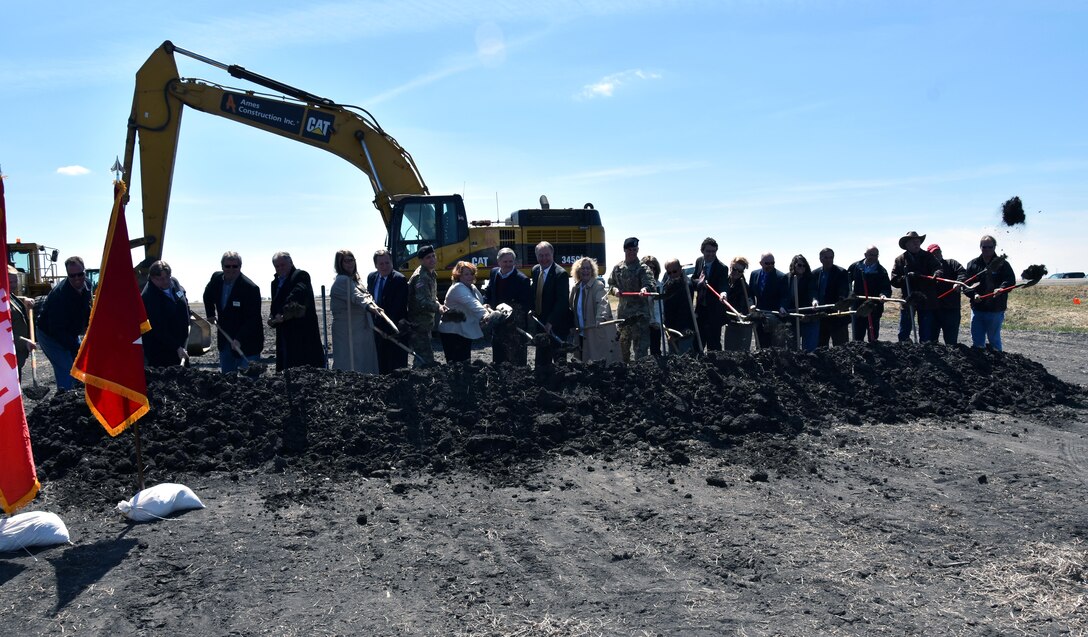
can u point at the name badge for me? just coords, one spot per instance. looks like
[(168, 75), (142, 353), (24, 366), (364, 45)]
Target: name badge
[(236, 303)]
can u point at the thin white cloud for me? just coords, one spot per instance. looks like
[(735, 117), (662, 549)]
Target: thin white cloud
[(629, 172), (607, 85), (73, 171)]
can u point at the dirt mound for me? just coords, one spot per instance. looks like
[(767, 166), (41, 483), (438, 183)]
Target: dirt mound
[(501, 419)]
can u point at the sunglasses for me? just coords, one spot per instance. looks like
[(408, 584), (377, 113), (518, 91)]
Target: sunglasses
[(231, 266), (77, 275)]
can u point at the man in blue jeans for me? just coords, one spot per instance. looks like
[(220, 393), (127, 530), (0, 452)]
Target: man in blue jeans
[(988, 314), (62, 318), (905, 275)]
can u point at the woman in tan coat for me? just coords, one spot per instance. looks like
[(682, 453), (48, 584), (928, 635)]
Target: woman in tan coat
[(589, 309)]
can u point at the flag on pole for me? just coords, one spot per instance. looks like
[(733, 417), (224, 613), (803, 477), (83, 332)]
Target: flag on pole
[(18, 479), (110, 361)]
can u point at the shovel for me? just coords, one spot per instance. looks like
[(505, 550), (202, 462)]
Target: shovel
[(501, 314), (993, 267), (1006, 290), (954, 283), (743, 320), (35, 391), (563, 345), (377, 309), (394, 341), (249, 368)]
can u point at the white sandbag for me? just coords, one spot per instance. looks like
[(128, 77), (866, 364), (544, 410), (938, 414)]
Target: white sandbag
[(35, 528), (158, 502)]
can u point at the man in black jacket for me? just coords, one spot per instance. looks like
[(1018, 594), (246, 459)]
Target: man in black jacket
[(62, 318), (833, 285), (987, 315), (869, 278), (550, 291), (946, 316), (294, 317), (769, 288), (390, 291), (232, 302), (168, 313), (507, 285), (709, 310)]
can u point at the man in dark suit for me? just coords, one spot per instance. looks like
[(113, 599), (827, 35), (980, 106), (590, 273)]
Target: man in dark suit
[(507, 285), (550, 292), (832, 286), (168, 313), (770, 289), (709, 310), (294, 317), (233, 303), (390, 291)]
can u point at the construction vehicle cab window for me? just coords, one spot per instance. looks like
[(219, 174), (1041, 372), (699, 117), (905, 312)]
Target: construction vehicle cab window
[(413, 217)]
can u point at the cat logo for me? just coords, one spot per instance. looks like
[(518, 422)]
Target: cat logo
[(318, 126)]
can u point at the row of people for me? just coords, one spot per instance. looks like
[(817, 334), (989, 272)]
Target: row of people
[(715, 308)]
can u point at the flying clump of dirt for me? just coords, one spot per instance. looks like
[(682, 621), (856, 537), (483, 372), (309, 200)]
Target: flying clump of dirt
[(503, 421), (1033, 272), (1012, 212)]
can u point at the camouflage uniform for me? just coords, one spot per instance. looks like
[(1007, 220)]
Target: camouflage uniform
[(423, 306), (635, 333)]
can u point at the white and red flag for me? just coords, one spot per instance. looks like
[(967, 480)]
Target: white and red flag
[(18, 478)]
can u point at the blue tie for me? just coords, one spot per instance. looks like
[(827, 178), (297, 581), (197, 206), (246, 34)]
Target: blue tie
[(378, 289)]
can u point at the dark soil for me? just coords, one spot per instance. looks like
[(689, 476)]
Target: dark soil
[(887, 488), (504, 420), (1012, 212)]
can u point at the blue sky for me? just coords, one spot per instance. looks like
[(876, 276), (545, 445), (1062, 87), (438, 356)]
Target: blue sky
[(783, 126)]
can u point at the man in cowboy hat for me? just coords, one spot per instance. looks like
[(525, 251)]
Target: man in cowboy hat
[(906, 275)]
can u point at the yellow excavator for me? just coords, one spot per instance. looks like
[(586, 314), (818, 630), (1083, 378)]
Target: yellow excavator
[(413, 217), (37, 266)]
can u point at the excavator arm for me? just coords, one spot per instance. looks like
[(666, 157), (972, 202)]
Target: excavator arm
[(346, 131)]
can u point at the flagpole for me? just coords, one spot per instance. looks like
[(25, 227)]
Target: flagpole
[(139, 457)]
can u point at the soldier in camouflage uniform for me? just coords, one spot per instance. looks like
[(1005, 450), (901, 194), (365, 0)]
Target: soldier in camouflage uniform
[(423, 306), (632, 276)]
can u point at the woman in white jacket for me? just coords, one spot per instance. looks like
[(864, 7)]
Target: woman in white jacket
[(353, 346), (462, 300)]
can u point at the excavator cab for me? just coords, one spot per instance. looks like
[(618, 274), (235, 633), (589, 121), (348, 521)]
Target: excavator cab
[(422, 220)]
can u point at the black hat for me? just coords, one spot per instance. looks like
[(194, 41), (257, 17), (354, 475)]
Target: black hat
[(630, 242), (424, 251), (910, 235)]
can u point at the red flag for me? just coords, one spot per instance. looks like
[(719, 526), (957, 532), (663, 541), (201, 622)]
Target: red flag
[(18, 479), (111, 358)]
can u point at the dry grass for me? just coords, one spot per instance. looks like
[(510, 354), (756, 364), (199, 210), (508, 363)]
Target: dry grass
[(1048, 583), (489, 621), (1048, 307)]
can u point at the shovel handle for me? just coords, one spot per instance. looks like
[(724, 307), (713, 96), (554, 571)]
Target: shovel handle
[(393, 341), (727, 304)]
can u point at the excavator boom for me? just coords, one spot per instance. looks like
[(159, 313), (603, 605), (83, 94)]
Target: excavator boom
[(157, 106)]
